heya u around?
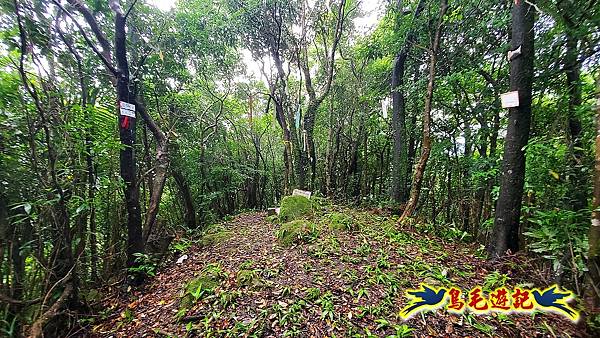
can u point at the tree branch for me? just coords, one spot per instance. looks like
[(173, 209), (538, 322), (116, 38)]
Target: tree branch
[(10, 300), (91, 21), (103, 55)]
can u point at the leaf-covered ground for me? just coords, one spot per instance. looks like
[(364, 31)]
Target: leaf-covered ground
[(346, 277)]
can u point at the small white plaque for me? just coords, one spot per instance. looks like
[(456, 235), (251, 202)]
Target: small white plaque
[(127, 109), (510, 99), (298, 192)]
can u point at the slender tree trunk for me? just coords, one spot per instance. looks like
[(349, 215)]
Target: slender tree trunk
[(426, 146), (91, 177), (11, 239), (291, 152), (308, 155), (400, 152), (449, 192), (127, 127), (486, 211), (188, 202), (160, 169), (592, 292), (466, 195), (136, 235), (89, 159), (287, 145), (480, 185), (508, 207), (62, 274), (412, 148), (149, 179), (364, 188), (329, 155), (399, 189), (572, 71)]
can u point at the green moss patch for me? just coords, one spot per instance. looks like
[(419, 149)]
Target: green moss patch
[(295, 207), (341, 222), (214, 237), (299, 231), (205, 283)]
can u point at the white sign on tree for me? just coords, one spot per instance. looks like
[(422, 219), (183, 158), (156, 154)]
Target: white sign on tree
[(510, 99), (127, 109)]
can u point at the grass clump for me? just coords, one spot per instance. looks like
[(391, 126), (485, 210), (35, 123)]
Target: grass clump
[(341, 222), (298, 231), (248, 277), (295, 207)]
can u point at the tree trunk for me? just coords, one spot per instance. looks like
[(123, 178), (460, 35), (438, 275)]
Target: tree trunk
[(159, 171), (399, 191), (592, 292), (508, 207), (426, 146), (572, 71), (308, 151), (412, 147), (328, 191), (127, 127), (466, 179), (61, 272), (188, 202), (287, 145), (449, 192), (291, 155)]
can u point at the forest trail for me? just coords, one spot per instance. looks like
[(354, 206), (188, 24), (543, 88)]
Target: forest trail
[(339, 283)]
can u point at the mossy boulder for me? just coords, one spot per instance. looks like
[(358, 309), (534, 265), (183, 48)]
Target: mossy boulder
[(295, 207), (341, 222), (298, 231)]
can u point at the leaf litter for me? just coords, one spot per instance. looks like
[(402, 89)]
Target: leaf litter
[(333, 284)]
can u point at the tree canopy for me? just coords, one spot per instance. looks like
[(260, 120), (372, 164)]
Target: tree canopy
[(128, 131)]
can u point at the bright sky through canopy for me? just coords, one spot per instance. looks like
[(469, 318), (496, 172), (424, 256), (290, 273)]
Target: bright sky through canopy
[(370, 8)]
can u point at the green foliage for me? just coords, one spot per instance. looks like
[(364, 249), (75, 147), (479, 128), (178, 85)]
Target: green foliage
[(249, 277), (294, 207), (181, 245), (60, 148), (494, 280), (453, 233), (204, 284), (593, 322), (402, 331), (321, 203), (327, 307), (299, 231), (8, 327), (340, 222), (313, 293), (145, 264), (560, 236)]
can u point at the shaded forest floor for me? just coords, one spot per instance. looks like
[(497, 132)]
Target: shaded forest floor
[(239, 281)]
